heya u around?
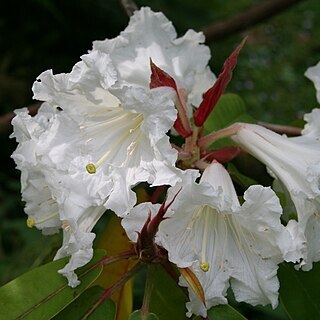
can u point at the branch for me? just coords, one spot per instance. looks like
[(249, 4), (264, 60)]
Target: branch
[(5, 120), (129, 6), (244, 20), (281, 129)]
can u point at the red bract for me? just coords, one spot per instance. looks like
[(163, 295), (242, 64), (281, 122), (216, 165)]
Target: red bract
[(213, 94), (222, 155), (160, 78), (146, 248)]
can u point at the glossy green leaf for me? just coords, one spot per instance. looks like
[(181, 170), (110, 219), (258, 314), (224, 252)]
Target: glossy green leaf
[(42, 292), (229, 109), (137, 315), (299, 291), (84, 307), (223, 312), (167, 299)]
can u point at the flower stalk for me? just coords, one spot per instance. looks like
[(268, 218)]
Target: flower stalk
[(205, 142), (148, 290)]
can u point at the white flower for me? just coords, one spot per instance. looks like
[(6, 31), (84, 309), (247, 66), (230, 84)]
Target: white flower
[(57, 194), (209, 231), (123, 123), (124, 132), (152, 35), (223, 241), (295, 162)]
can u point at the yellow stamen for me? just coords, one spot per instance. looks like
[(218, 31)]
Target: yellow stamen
[(204, 266), (31, 223), (91, 168)]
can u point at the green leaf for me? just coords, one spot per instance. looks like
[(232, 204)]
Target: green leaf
[(167, 299), (137, 315), (82, 308), (223, 312), (244, 181), (42, 292), (229, 109), (299, 291)]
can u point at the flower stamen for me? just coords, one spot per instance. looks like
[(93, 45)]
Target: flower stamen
[(66, 226), (32, 222), (204, 265)]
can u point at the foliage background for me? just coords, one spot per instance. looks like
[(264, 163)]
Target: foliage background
[(36, 35)]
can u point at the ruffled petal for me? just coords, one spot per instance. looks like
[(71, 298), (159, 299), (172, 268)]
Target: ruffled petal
[(185, 58), (81, 91), (313, 73)]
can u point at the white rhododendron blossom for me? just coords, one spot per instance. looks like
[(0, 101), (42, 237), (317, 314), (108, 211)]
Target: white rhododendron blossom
[(150, 35), (124, 134), (101, 132), (223, 242), (295, 162), (57, 193)]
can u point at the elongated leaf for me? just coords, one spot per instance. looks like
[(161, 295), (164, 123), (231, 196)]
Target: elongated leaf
[(42, 292), (167, 299), (114, 241), (81, 308), (212, 96), (223, 312), (299, 291), (137, 315)]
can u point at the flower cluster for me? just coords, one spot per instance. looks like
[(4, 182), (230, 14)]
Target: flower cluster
[(104, 128)]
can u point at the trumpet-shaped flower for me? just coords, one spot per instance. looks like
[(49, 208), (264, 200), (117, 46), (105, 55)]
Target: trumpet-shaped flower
[(185, 59), (295, 162), (57, 194), (223, 242), (124, 132)]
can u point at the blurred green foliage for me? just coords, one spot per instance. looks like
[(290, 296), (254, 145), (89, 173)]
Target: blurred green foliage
[(36, 35)]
